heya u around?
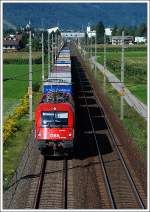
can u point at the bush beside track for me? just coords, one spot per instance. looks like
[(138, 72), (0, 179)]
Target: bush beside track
[(11, 124)]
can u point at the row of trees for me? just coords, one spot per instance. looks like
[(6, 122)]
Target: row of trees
[(140, 30)]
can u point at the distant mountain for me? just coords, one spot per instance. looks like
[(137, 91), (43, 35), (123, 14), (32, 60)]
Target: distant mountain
[(74, 15)]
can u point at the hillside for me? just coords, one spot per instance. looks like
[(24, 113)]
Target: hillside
[(74, 15)]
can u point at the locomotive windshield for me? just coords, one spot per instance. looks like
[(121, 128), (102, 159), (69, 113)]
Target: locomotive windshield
[(54, 119)]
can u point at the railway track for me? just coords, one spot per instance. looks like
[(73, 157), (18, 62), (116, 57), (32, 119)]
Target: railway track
[(51, 189), (121, 188)]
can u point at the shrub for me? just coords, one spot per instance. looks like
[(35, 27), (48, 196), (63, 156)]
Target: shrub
[(9, 128), (11, 124)]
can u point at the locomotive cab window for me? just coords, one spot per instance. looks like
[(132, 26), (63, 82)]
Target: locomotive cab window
[(54, 119)]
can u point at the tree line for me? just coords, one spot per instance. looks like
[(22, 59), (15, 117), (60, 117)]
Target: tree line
[(140, 31)]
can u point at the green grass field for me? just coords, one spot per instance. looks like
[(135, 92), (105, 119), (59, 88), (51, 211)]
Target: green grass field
[(20, 55), (18, 87), (14, 90), (135, 70)]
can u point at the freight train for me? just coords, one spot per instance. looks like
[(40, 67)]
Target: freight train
[(55, 114)]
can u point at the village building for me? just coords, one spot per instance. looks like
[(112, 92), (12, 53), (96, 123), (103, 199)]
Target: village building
[(73, 34), (12, 42), (140, 40), (108, 31), (117, 40), (90, 33)]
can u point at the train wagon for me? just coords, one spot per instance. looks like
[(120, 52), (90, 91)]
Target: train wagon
[(57, 85), (60, 79)]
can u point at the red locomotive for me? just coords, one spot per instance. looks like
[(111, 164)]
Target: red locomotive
[(54, 122)]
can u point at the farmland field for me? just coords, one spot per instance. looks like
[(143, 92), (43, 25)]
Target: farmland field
[(18, 87), (20, 55), (14, 90), (135, 70)]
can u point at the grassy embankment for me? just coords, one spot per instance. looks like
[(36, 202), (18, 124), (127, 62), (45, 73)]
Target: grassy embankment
[(13, 91), (135, 69), (135, 125)]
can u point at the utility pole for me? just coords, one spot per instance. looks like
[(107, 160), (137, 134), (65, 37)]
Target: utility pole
[(83, 43), (95, 53), (104, 61), (55, 45), (42, 57), (58, 43), (122, 78), (91, 47), (78, 43), (87, 46), (83, 47), (30, 74), (48, 54), (52, 50)]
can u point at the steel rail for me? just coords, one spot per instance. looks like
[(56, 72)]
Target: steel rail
[(65, 182), (40, 184), (41, 180)]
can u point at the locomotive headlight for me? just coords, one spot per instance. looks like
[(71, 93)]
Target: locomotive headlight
[(70, 134), (54, 108)]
